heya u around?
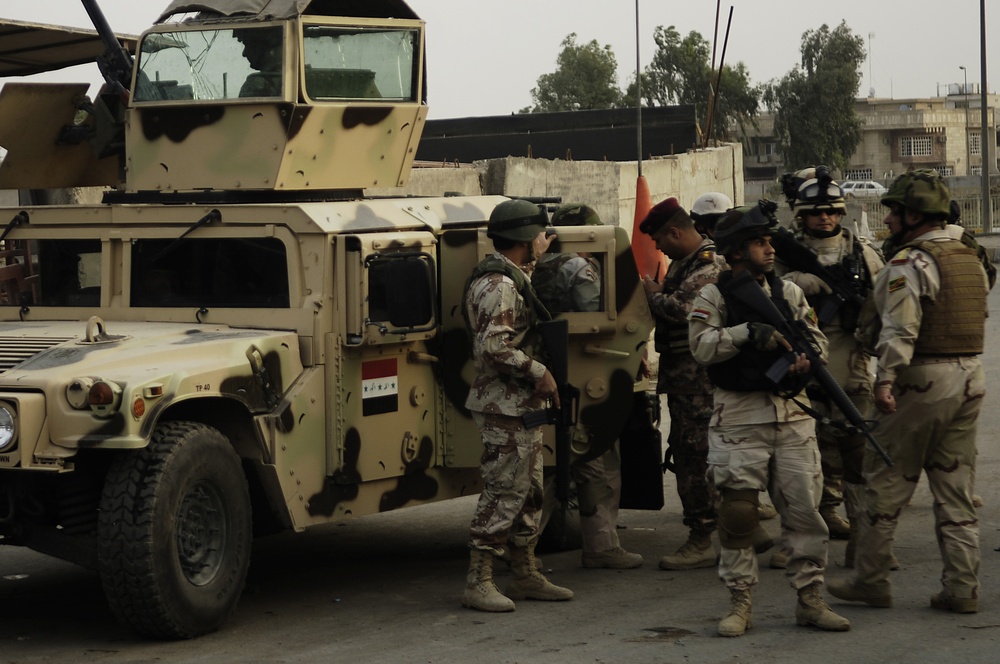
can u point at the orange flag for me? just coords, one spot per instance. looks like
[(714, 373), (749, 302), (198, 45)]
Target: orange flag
[(648, 258)]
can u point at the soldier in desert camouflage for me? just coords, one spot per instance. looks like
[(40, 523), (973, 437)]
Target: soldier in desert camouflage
[(694, 263), (929, 388), (502, 312)]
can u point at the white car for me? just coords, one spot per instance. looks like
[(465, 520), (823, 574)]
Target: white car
[(863, 189)]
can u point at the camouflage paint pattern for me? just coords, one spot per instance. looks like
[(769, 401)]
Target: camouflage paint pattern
[(688, 442)]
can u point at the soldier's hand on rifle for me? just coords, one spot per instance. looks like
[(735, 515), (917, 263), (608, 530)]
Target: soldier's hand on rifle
[(801, 365), (546, 387), (766, 337), (884, 400), (811, 284)]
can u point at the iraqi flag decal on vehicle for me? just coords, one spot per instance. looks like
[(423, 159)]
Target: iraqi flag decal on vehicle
[(379, 387)]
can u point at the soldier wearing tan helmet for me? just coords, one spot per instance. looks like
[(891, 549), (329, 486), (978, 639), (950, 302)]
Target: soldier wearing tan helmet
[(819, 209), (502, 311), (929, 389)]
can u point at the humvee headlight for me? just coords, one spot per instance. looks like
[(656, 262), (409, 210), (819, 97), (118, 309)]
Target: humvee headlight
[(8, 427), (78, 393), (104, 398)]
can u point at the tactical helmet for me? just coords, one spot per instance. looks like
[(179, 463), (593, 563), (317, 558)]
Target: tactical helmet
[(745, 223), (517, 220), (922, 191), (819, 192), (710, 204), (575, 214), (790, 183)]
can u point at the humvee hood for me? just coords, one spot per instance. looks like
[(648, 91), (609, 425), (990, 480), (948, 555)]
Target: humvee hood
[(266, 10), (33, 354)]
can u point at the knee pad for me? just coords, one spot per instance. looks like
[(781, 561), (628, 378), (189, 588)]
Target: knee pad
[(738, 517)]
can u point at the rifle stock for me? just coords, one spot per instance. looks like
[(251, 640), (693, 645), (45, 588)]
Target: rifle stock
[(797, 256), (746, 288)]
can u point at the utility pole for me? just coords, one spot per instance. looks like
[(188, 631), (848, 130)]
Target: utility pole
[(965, 93), (985, 133)]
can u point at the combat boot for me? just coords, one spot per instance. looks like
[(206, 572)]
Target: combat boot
[(849, 590), (697, 552), (945, 602), (838, 525), (766, 511), (616, 558), (779, 559), (480, 591), (813, 610), (740, 616), (528, 582)]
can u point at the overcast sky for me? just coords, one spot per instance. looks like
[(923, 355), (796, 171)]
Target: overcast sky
[(485, 57)]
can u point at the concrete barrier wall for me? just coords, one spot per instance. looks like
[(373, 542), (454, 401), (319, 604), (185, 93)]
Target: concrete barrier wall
[(608, 187)]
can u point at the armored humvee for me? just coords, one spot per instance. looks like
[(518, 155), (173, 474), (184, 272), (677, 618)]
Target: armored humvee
[(237, 341)]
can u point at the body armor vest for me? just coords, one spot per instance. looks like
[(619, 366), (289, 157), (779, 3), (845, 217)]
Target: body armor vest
[(672, 337), (746, 372), (537, 313), (544, 281), (954, 323)]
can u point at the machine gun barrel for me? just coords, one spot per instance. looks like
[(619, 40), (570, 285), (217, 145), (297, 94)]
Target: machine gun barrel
[(748, 291), (116, 64)]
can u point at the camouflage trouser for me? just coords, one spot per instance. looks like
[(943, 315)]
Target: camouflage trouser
[(741, 457), (512, 485), (932, 430), (599, 488), (688, 442)]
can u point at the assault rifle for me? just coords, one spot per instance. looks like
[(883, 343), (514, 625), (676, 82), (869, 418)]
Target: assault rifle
[(746, 289), (846, 285), (555, 336)]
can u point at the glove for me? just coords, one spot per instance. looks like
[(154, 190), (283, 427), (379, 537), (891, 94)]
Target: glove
[(811, 284), (764, 337)]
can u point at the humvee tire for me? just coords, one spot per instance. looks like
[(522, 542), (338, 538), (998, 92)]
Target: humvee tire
[(175, 533)]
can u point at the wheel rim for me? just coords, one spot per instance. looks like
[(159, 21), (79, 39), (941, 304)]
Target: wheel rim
[(201, 533)]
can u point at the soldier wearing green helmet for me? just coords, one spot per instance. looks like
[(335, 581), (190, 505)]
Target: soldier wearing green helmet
[(931, 301), (759, 435), (571, 282), (501, 312)]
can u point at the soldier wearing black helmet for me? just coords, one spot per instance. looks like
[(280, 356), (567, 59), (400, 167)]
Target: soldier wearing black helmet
[(929, 388), (757, 432), (819, 208), (502, 311)]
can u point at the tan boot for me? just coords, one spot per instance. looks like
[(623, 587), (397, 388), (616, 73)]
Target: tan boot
[(697, 552), (766, 511), (779, 559), (528, 582), (813, 610), (616, 558), (839, 527), (945, 602), (480, 591), (850, 591), (740, 616)]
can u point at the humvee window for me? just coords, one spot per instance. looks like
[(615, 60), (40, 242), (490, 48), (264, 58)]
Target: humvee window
[(360, 63), (63, 273), (214, 272), (211, 64), (401, 292)]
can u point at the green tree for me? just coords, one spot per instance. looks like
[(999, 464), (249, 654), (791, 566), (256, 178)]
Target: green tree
[(586, 78), (681, 73), (815, 120)]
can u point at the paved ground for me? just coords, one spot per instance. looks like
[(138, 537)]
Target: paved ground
[(387, 588)]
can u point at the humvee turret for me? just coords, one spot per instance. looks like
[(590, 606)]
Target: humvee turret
[(237, 341)]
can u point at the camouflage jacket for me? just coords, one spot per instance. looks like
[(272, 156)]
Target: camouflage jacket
[(713, 342), (502, 349), (849, 359), (678, 372), (567, 282), (911, 278)]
